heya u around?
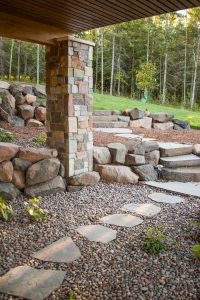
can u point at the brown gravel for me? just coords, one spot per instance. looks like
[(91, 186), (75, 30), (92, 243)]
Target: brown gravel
[(119, 270)]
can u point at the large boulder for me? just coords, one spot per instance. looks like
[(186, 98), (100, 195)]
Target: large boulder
[(20, 164), (89, 178), (146, 172), (19, 98), (4, 85), (182, 124), (8, 105), (118, 152), (40, 113), (42, 171), (30, 99), (121, 174), (8, 151), (101, 155), (126, 112), (39, 91), (8, 191), (15, 88), (136, 114), (6, 171), (145, 122), (153, 157), (27, 89), (26, 111), (134, 160), (5, 116), (163, 126), (19, 179), (51, 186), (35, 155), (150, 146), (196, 149), (162, 117), (131, 144), (139, 149), (18, 122), (34, 123)]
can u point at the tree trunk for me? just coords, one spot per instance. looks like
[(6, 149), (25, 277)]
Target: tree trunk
[(25, 62), (113, 66), (196, 60), (1, 58), (148, 40), (11, 58), (132, 75), (97, 64), (102, 62), (18, 61), (38, 64), (119, 70), (166, 59), (185, 63)]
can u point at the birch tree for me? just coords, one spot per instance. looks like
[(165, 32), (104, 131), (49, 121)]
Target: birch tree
[(1, 58), (38, 64), (11, 59), (166, 58), (185, 62), (112, 65)]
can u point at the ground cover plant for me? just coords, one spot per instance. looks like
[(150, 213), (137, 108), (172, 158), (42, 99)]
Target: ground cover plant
[(33, 209), (7, 137), (40, 139), (5, 209), (120, 103)]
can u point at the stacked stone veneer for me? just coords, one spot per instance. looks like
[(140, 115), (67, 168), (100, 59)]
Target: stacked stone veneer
[(69, 86)]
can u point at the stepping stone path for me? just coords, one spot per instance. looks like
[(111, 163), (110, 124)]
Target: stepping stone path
[(113, 130), (97, 233), (129, 136), (188, 188), (144, 209), (122, 220), (164, 198), (29, 283), (61, 251)]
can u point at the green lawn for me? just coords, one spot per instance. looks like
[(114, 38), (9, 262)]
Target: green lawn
[(120, 103)]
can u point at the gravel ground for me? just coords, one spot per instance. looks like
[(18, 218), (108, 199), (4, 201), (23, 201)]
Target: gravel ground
[(119, 270)]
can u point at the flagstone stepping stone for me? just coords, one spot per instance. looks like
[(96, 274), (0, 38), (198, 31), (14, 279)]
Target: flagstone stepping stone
[(164, 198), (113, 130), (61, 251), (144, 209), (129, 135), (188, 188), (122, 220), (97, 233), (30, 283)]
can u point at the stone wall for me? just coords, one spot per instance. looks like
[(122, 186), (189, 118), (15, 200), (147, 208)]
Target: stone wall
[(69, 86)]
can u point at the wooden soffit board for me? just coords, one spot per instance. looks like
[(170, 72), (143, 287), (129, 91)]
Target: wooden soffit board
[(44, 21)]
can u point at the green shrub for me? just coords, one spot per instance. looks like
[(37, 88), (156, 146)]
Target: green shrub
[(155, 241), (72, 296), (5, 209), (7, 137), (41, 138), (196, 251), (36, 213)]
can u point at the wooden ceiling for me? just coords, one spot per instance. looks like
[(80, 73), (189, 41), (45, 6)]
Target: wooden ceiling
[(45, 20)]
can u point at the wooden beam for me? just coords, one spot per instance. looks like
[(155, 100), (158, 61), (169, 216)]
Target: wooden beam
[(30, 31)]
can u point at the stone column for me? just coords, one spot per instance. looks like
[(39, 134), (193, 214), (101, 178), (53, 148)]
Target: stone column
[(69, 85)]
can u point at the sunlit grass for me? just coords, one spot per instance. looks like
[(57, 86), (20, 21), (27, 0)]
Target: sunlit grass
[(119, 103)]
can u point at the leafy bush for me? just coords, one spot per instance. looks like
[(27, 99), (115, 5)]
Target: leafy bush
[(155, 241), (36, 213), (196, 251), (5, 209), (41, 138), (7, 137)]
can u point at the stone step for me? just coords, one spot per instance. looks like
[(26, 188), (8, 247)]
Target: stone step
[(174, 149), (189, 160), (101, 124), (182, 174), (109, 118)]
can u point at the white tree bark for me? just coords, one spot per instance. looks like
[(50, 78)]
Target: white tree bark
[(102, 62), (38, 64), (185, 62), (11, 58), (1, 58), (112, 66), (196, 60), (18, 61), (166, 59)]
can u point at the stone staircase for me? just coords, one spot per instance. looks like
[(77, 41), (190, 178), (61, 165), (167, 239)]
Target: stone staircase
[(179, 164), (109, 119)]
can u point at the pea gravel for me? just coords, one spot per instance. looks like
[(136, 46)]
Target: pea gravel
[(117, 270)]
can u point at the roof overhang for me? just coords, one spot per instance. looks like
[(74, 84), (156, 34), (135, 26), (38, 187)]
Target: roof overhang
[(45, 21)]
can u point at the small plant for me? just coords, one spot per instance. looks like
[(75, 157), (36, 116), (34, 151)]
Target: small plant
[(155, 241), (7, 137), (5, 209), (72, 296), (41, 138), (36, 213), (196, 251)]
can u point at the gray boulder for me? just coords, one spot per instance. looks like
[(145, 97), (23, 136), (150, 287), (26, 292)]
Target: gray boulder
[(182, 124), (8, 191), (146, 172), (120, 174), (118, 152), (42, 171), (26, 111), (101, 155), (51, 186), (17, 121), (150, 146), (134, 160), (153, 157), (162, 117), (136, 114), (20, 164)]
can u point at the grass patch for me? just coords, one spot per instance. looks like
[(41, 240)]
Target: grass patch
[(108, 102)]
